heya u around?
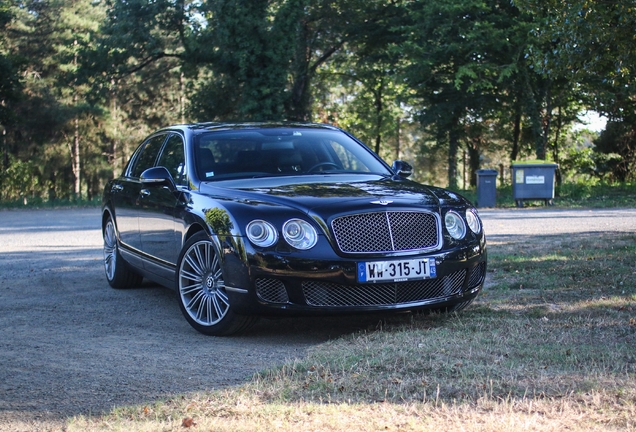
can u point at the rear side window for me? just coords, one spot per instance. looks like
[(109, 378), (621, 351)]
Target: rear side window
[(148, 155)]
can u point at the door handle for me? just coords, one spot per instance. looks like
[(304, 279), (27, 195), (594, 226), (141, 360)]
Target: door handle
[(144, 193), (117, 188)]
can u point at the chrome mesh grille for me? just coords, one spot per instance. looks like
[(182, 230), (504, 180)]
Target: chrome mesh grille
[(271, 291), (477, 275), (331, 294), (386, 232)]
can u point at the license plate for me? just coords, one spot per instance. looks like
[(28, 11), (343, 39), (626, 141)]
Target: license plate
[(397, 271)]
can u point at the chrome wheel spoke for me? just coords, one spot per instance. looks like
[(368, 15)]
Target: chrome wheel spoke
[(194, 277), (196, 299), (195, 265), (209, 309), (213, 261), (217, 306), (202, 307), (188, 289), (221, 295), (201, 260)]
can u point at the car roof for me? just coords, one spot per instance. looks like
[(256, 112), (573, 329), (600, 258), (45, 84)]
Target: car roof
[(218, 126)]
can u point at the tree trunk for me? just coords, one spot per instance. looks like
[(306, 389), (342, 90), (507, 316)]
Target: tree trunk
[(378, 116), (516, 133), (397, 141), (453, 147), (76, 159), (555, 149), (297, 110), (547, 122), (534, 111), (75, 154), (115, 119), (474, 152), (182, 98), (5, 151)]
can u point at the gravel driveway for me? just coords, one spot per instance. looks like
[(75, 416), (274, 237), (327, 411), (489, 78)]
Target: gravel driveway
[(70, 344)]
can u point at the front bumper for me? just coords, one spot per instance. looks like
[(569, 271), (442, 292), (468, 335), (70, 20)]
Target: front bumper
[(274, 284)]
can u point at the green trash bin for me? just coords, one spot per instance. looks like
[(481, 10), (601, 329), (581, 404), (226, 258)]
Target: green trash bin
[(533, 180)]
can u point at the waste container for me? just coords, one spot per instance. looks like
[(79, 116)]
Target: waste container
[(486, 188), (533, 180)]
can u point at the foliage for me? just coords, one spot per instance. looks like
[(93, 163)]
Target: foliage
[(450, 86), (592, 43), (466, 67), (18, 180), (10, 87), (617, 143)]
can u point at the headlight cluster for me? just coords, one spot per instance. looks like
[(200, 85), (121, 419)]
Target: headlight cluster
[(296, 232), (456, 226), (261, 233)]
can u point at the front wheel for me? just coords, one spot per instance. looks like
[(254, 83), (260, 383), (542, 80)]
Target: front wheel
[(201, 290)]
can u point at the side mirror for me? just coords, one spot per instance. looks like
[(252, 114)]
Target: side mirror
[(402, 169), (157, 176)]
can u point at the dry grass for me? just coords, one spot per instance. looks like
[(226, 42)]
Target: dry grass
[(551, 345)]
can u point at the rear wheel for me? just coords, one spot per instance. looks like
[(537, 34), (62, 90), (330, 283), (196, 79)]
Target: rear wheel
[(201, 290), (118, 272)]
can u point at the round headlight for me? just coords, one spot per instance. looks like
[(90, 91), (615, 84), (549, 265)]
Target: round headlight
[(299, 234), (473, 221), (261, 233), (455, 225)]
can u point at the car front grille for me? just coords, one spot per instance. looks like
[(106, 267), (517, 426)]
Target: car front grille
[(331, 294), (477, 275), (387, 232), (271, 290)]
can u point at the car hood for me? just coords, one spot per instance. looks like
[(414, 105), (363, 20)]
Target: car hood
[(330, 194)]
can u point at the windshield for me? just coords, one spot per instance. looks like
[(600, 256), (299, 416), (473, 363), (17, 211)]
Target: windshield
[(245, 153)]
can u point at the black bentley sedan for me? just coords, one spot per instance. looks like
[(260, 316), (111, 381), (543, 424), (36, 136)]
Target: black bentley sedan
[(254, 219)]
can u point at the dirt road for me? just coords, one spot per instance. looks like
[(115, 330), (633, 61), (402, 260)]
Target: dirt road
[(69, 344)]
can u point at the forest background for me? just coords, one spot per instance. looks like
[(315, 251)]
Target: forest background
[(450, 86)]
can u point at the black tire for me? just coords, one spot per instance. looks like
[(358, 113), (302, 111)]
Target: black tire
[(201, 290), (118, 272)]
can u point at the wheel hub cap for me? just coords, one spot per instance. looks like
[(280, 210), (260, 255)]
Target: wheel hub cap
[(210, 284)]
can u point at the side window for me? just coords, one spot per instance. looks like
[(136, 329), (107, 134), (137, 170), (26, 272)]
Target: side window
[(148, 155), (173, 159)]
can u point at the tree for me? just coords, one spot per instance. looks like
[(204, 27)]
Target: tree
[(10, 87), (459, 51), (592, 43), (618, 138), (55, 126)]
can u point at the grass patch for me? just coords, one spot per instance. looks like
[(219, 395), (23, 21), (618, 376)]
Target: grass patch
[(549, 345)]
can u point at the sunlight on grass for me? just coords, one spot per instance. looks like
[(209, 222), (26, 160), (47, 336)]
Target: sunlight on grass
[(548, 346), (235, 412)]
